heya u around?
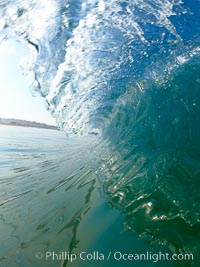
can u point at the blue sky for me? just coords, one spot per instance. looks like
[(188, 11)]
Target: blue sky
[(16, 100)]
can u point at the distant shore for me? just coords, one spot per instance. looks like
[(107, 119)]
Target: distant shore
[(24, 123)]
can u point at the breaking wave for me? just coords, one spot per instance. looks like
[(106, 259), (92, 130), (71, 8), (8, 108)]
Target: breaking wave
[(127, 71)]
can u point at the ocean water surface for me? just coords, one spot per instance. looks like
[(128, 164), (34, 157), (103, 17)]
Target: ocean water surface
[(122, 80), (52, 200)]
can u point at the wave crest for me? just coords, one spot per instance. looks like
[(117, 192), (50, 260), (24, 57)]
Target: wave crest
[(86, 53)]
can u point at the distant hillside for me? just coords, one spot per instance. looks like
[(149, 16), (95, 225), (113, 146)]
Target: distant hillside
[(24, 123)]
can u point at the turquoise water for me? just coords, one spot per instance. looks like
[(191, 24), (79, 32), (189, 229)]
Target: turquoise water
[(53, 199), (121, 77)]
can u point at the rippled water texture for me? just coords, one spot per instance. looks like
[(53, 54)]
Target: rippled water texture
[(125, 73)]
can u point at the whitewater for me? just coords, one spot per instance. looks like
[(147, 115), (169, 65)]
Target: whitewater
[(122, 80)]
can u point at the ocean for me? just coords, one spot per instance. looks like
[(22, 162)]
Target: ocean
[(55, 200), (52, 201), (121, 77)]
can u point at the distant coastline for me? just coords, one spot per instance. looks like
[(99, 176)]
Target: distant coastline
[(24, 123)]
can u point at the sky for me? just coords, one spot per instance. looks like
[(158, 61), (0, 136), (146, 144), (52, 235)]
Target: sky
[(16, 100)]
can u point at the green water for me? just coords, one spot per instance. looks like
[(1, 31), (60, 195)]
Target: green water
[(53, 200)]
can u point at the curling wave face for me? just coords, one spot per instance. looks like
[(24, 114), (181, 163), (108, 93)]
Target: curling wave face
[(86, 54), (128, 71)]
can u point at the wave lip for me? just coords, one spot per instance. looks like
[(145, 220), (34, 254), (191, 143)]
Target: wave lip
[(128, 71), (85, 54)]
